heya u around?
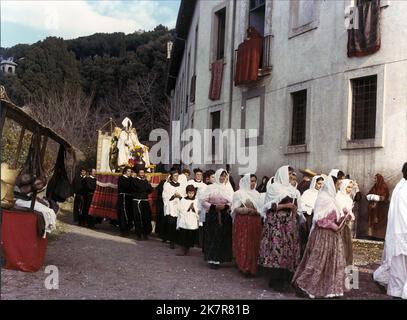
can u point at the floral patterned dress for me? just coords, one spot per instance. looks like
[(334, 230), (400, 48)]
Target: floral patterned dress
[(280, 247), (321, 273)]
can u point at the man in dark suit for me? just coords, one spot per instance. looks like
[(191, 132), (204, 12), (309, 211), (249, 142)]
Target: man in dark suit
[(89, 189), (78, 189)]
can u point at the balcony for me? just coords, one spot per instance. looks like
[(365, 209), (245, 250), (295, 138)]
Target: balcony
[(253, 60)]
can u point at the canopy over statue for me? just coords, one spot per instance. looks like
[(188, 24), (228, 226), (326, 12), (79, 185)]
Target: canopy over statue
[(121, 148)]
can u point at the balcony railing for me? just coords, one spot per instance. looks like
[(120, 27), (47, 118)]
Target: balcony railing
[(265, 61)]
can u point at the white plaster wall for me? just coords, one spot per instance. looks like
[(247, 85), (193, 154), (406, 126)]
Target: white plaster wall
[(319, 59)]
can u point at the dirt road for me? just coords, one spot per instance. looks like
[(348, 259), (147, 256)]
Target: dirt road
[(98, 264)]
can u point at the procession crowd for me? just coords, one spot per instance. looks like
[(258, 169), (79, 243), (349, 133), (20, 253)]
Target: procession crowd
[(301, 233)]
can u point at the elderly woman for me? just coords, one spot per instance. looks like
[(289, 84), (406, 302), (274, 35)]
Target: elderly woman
[(216, 201), (246, 225), (280, 247)]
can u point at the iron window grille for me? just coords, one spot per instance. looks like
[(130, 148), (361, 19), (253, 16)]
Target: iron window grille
[(364, 96), (299, 101)]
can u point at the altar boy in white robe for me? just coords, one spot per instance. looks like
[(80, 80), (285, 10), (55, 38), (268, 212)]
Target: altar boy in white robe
[(172, 194), (187, 220), (200, 185)]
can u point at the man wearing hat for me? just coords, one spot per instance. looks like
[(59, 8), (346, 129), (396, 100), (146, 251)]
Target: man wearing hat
[(306, 180)]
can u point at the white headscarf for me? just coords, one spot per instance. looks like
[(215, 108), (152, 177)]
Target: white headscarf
[(326, 199), (278, 190), (224, 189), (309, 196), (246, 193), (270, 182), (344, 199)]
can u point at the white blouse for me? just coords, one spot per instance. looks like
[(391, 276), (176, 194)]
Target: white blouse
[(171, 206), (188, 219)]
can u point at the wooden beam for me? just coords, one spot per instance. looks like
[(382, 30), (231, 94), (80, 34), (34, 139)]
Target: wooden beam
[(19, 146), (43, 148)]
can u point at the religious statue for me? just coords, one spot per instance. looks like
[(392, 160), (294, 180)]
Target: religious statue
[(131, 151)]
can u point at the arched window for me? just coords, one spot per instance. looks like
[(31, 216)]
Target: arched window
[(10, 70)]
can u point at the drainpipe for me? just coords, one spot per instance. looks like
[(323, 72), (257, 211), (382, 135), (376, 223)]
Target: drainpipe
[(232, 64), (231, 78)]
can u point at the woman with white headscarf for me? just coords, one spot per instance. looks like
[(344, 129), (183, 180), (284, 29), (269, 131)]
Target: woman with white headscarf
[(309, 197), (321, 272), (345, 203), (393, 271), (246, 224), (306, 208), (280, 247), (216, 201)]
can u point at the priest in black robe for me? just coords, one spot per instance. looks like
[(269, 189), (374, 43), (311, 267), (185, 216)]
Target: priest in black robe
[(141, 188), (78, 189), (89, 189), (124, 205)]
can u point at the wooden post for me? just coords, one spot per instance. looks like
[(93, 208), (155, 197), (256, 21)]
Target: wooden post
[(43, 148), (42, 155), (19, 146)]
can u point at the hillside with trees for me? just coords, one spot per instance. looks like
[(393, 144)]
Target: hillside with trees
[(100, 76)]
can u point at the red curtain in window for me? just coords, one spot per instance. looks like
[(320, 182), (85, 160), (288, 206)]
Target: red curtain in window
[(248, 57), (366, 39), (216, 81)]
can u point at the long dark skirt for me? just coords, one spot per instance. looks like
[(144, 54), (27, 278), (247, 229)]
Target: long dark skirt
[(346, 235), (142, 217), (218, 236), (187, 238), (304, 231), (200, 236), (125, 212), (77, 207), (170, 228), (89, 220), (160, 219)]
